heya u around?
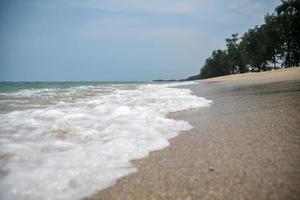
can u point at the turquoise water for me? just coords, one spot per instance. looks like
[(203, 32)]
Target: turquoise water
[(16, 96), (17, 86)]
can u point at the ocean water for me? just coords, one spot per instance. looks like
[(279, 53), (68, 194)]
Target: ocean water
[(68, 140)]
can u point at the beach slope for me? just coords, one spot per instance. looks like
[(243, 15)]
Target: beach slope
[(246, 145)]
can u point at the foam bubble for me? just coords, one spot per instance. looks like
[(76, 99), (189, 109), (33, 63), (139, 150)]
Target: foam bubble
[(70, 150)]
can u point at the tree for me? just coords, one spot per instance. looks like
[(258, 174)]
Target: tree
[(288, 18), (278, 39), (272, 39), (254, 49), (234, 55), (216, 65)]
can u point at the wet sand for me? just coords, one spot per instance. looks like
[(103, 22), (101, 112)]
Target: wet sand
[(246, 145)]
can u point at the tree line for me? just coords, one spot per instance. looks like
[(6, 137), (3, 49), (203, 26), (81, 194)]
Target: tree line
[(275, 44)]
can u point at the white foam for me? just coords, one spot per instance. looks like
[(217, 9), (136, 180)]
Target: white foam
[(70, 150)]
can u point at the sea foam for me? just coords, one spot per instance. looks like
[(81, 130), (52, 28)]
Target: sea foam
[(71, 149)]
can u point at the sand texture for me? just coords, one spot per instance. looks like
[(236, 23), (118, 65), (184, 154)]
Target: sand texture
[(288, 74), (246, 145)]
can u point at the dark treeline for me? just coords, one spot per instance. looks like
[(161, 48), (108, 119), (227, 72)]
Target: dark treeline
[(274, 44)]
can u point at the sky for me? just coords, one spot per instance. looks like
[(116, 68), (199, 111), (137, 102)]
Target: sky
[(117, 40)]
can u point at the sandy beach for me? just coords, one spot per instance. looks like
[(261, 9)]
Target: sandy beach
[(246, 145)]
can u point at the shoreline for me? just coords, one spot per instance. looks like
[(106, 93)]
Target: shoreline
[(246, 145)]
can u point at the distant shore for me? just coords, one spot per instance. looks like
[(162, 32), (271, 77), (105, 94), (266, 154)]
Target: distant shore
[(246, 145)]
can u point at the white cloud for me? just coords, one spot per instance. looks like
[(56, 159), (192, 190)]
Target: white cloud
[(188, 44), (157, 6), (209, 9), (204, 8)]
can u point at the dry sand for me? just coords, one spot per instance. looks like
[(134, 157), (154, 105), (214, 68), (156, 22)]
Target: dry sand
[(246, 145), (288, 74)]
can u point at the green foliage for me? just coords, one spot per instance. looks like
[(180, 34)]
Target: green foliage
[(260, 48), (234, 55), (253, 48), (216, 65), (288, 20)]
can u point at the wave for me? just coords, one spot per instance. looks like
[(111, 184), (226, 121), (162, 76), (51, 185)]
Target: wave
[(70, 150)]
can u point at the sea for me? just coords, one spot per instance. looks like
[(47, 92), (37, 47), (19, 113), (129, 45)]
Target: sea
[(67, 140)]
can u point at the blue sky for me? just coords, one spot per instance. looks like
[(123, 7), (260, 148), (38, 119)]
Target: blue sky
[(117, 40)]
